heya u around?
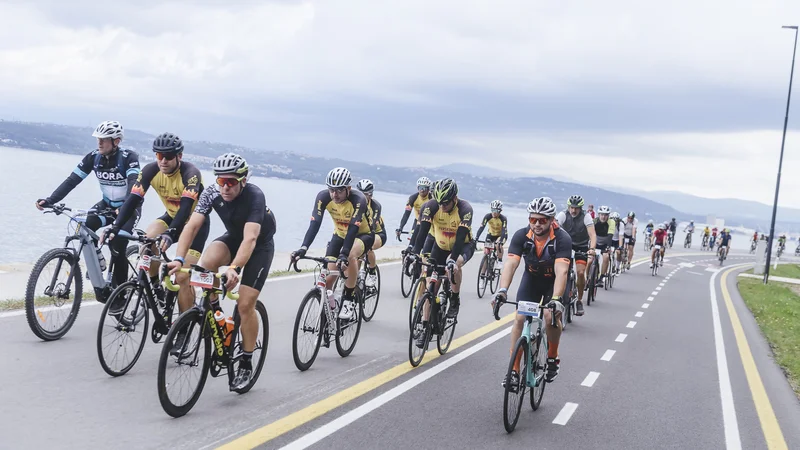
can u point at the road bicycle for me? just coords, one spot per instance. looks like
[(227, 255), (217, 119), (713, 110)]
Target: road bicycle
[(611, 274), (591, 281), (571, 291), (687, 243), (368, 287), (647, 240), (408, 274), (488, 273), (438, 324), (658, 262)]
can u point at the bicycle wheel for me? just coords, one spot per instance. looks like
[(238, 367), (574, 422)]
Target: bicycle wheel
[(407, 278), (413, 303), (415, 354), (592, 289), (51, 310), (262, 343), (120, 336), (568, 306), (495, 282), (514, 395), (448, 327), (482, 280), (308, 330), (538, 369), (347, 332), (371, 297), (179, 383)]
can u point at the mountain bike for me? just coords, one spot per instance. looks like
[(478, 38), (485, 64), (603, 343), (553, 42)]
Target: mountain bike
[(204, 344), (318, 321), (570, 292), (438, 324), (368, 289), (53, 295), (531, 349), (124, 322), (488, 274)]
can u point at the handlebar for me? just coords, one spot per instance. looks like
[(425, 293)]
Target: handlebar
[(552, 305), (321, 260), (219, 275), (432, 264)]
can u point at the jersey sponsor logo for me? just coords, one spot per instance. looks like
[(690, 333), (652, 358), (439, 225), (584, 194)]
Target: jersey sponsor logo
[(192, 181), (426, 212), (467, 217), (111, 176), (139, 178), (319, 206)]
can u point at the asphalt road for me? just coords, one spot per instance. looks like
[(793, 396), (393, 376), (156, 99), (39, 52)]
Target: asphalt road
[(658, 386)]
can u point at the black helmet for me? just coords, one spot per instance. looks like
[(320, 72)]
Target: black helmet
[(445, 190), (168, 143)]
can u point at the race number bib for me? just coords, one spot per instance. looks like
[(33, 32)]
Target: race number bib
[(202, 280), (528, 309), (144, 262), (657, 247)]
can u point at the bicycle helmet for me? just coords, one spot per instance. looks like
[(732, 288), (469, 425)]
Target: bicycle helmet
[(365, 186), (109, 129), (576, 201), (543, 206), (424, 182), (496, 205), (338, 177), (230, 163), (604, 210), (445, 190), (615, 215), (632, 215), (168, 143), (650, 222), (661, 226)]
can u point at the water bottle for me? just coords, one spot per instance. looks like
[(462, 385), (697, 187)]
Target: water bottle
[(331, 300), (228, 331), (101, 259)]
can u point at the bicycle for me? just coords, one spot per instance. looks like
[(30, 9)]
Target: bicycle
[(571, 291), (705, 243), (591, 280), (659, 260), (318, 319), (408, 276), (369, 286), (671, 237), (722, 256), (780, 251), (438, 324), (753, 245), (125, 314), (687, 243), (624, 263), (488, 274), (647, 240), (533, 361), (45, 321), (611, 274), (221, 351)]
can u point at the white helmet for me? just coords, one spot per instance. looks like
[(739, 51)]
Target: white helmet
[(542, 205), (109, 129), (650, 222), (230, 163), (365, 186), (338, 177), (424, 182), (615, 215), (497, 204), (661, 226), (604, 210)]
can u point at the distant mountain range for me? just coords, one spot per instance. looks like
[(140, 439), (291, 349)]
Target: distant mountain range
[(479, 185)]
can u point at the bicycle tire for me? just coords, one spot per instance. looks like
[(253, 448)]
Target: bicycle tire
[(412, 305), (32, 314), (513, 406), (303, 365), (482, 281), (415, 360), (119, 318), (568, 306), (263, 346), (406, 280), (539, 368), (370, 304), (445, 338), (343, 326), (186, 320), (495, 282), (591, 285)]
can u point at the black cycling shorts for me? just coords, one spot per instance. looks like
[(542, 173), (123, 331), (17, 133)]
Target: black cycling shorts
[(428, 245), (490, 238), (615, 243), (581, 253), (382, 235), (535, 289), (440, 256), (199, 242), (336, 243), (254, 273), (631, 240)]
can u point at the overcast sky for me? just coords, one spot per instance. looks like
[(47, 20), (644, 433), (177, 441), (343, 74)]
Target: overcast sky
[(683, 95)]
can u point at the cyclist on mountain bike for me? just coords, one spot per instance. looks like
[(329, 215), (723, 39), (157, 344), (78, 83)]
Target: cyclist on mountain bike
[(498, 229), (374, 210), (547, 249), (415, 202), (247, 247), (605, 229), (116, 170), (659, 238), (580, 227)]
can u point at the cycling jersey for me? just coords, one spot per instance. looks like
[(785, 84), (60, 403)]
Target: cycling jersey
[(630, 225), (672, 226), (577, 227), (414, 203), (114, 172), (445, 225), (498, 226), (725, 238), (249, 207), (706, 232), (649, 229), (540, 255), (350, 219), (374, 210), (605, 232), (658, 237)]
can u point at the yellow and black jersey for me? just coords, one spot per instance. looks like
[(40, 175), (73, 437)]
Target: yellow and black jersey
[(353, 211), (498, 226), (375, 210), (186, 182), (415, 202), (445, 225)]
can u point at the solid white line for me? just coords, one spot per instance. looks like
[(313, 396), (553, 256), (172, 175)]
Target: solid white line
[(695, 273), (590, 379), (608, 355), (350, 417), (645, 305), (621, 337), (650, 299), (21, 312), (631, 324), (566, 412), (640, 314), (732, 438)]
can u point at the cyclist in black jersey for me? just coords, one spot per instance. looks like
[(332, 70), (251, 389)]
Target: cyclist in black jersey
[(580, 226), (178, 183), (415, 202), (116, 171), (247, 246), (353, 232), (368, 188)]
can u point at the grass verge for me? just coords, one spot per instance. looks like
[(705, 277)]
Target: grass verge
[(783, 270), (776, 308)]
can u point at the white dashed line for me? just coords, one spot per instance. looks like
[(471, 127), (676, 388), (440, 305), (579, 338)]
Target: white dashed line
[(645, 305), (640, 314), (658, 288), (695, 273), (621, 337), (566, 412), (631, 324), (654, 293), (650, 299), (608, 355), (590, 379), (662, 283)]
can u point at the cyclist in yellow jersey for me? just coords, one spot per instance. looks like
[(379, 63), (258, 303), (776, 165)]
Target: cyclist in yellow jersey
[(374, 210), (415, 202), (352, 235), (498, 229), (178, 183), (450, 219)]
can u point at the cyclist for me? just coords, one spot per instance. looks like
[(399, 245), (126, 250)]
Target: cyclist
[(755, 236), (630, 225), (689, 230), (450, 220), (706, 235), (498, 229), (547, 249), (605, 228), (368, 188), (580, 227), (725, 242), (648, 229), (659, 238), (590, 211), (714, 232), (415, 202), (711, 241), (352, 236), (247, 246), (179, 185), (116, 170), (619, 232), (672, 228), (782, 242)]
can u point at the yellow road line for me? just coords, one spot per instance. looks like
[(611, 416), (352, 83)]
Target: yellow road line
[(766, 415), (311, 412)]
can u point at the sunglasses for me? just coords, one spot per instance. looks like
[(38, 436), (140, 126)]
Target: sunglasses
[(540, 220), (230, 182), (445, 204), (337, 190), (167, 156)]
